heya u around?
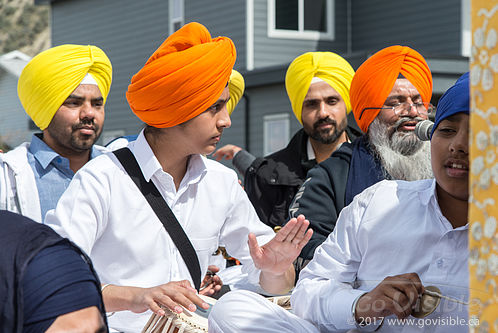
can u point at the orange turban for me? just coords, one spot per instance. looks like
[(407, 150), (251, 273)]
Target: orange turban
[(375, 78), (183, 78)]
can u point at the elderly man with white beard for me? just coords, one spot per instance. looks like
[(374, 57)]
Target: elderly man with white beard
[(390, 93)]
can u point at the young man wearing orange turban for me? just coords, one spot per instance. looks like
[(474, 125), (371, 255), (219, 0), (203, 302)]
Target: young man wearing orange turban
[(390, 93), (181, 94), (63, 90)]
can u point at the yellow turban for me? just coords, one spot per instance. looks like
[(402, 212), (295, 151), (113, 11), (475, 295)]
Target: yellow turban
[(328, 66), (236, 87), (50, 77)]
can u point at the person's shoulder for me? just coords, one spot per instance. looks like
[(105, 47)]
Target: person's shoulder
[(394, 188), (118, 143), (213, 166), (16, 224), (341, 156), (103, 164), (22, 149), (102, 149), (291, 151), (17, 156), (413, 185)]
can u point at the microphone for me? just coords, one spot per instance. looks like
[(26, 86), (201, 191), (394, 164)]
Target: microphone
[(423, 130)]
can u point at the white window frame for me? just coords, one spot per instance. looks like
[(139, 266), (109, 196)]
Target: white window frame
[(466, 35), (268, 137), (179, 19), (301, 33)]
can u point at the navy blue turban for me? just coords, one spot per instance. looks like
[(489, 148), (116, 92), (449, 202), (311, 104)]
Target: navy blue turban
[(454, 100)]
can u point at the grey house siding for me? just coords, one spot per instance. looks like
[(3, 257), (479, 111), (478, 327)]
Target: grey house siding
[(276, 51), (267, 100), (14, 122), (430, 27), (127, 30), (222, 18)]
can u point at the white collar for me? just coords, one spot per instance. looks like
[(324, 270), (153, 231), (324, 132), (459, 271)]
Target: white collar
[(310, 151), (429, 196), (149, 164)]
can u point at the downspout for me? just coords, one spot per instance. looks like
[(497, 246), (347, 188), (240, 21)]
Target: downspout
[(349, 33), (246, 121)]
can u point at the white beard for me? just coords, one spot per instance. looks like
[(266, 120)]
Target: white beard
[(403, 156)]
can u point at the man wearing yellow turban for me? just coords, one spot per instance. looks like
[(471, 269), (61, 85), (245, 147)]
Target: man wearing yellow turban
[(181, 94), (390, 93), (63, 90), (317, 84)]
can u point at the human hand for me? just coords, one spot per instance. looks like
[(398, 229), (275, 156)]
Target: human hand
[(175, 295), (394, 295), (227, 152), (278, 254), (211, 283)]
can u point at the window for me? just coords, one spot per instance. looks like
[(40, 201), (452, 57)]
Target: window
[(301, 19), (275, 132), (176, 20)]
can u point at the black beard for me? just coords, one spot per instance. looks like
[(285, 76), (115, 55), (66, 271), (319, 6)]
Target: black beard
[(327, 138)]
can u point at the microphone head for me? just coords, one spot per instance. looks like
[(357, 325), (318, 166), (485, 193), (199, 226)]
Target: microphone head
[(423, 130)]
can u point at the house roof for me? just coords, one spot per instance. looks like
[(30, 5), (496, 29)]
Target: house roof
[(445, 70), (14, 62)]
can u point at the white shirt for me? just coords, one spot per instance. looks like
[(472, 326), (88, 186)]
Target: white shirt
[(104, 213), (393, 227)]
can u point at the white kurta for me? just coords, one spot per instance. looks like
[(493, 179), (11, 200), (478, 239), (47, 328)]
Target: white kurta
[(104, 213), (392, 228)]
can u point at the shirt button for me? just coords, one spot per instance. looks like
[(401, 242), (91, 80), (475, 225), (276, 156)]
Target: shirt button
[(439, 263), (59, 160), (273, 180)]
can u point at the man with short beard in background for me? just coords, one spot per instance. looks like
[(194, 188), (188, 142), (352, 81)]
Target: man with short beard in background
[(317, 84), (63, 90), (390, 93)]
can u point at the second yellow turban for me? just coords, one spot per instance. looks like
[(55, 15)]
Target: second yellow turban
[(236, 87), (328, 66)]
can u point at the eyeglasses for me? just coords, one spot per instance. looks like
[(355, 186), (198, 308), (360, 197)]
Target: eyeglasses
[(423, 108)]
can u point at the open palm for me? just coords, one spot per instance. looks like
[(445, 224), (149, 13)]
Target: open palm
[(276, 255)]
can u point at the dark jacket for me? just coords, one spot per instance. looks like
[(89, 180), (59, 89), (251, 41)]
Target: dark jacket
[(272, 182), (331, 185), (21, 239)]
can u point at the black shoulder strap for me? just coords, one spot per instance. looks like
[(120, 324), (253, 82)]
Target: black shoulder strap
[(163, 212)]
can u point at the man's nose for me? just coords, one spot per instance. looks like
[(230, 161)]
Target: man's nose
[(87, 110), (224, 120), (322, 111)]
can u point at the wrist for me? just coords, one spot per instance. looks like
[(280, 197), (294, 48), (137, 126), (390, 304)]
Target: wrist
[(236, 151), (277, 283), (119, 298), (363, 320), (104, 286)]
